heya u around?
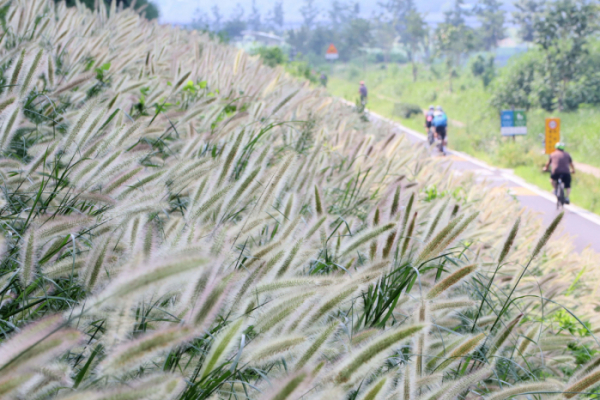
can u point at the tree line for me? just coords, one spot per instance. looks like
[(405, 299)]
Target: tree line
[(396, 23), (562, 69)]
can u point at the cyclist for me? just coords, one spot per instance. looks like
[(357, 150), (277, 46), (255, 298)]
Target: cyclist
[(323, 79), (561, 167), (362, 91), (428, 123), (440, 122)]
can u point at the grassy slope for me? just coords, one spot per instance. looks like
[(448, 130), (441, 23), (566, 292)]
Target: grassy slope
[(477, 129), (153, 239)]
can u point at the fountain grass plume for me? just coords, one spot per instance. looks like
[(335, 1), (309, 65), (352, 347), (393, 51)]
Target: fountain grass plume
[(528, 338), (28, 259), (207, 305), (290, 258), (541, 243), (130, 354), (575, 388), (501, 337), (278, 314), (96, 262), (436, 220), (546, 236), (8, 126), (140, 279), (316, 344), (450, 281), (6, 102), (16, 72), (318, 204), (456, 303), (509, 241), (378, 345), (461, 351), (50, 71), (454, 389), (389, 244), (230, 157), (315, 227), (374, 390), (33, 68), (366, 237), (274, 347), (395, 202), (548, 387), (41, 351), (436, 242), (331, 302), (289, 387), (407, 212), (408, 236), (220, 348)]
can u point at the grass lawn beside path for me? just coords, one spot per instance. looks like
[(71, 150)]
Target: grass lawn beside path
[(474, 126)]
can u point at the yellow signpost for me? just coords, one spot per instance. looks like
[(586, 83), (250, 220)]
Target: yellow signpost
[(552, 133)]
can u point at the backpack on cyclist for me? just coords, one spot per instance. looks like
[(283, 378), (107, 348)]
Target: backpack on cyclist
[(441, 120)]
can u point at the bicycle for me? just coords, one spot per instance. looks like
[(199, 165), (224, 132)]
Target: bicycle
[(560, 194), (430, 136)]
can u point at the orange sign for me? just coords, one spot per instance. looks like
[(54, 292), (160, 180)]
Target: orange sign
[(332, 49), (552, 133)]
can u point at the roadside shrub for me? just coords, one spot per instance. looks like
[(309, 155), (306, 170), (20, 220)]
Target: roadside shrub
[(407, 110), (271, 56), (515, 85)]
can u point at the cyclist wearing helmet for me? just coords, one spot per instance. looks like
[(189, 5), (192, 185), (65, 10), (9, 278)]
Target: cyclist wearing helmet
[(429, 119), (440, 121), (362, 91), (561, 167)]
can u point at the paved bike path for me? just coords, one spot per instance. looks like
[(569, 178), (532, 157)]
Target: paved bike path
[(581, 225)]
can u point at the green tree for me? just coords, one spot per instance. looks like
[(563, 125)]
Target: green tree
[(309, 12), (453, 38), (515, 87), (235, 24), (410, 27), (528, 11), (562, 34), (254, 19), (271, 56), (340, 14), (354, 37), (145, 7), (217, 18), (276, 16), (413, 37), (384, 37), (491, 17), (483, 68)]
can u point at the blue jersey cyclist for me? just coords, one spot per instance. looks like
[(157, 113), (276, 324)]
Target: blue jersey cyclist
[(440, 122)]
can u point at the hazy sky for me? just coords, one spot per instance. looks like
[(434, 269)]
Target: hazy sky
[(182, 11)]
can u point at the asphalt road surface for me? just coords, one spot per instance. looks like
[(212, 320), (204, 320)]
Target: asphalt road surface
[(583, 226)]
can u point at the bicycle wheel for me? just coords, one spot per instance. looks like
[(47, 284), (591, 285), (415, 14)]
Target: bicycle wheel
[(560, 194), (430, 137)]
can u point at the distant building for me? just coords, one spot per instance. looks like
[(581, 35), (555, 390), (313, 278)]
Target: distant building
[(262, 38)]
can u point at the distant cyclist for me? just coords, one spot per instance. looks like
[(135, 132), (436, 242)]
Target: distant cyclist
[(428, 123), (323, 79), (362, 91), (440, 122), (561, 167)]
